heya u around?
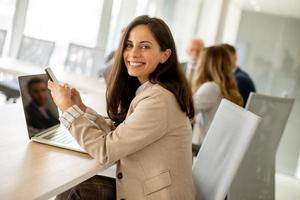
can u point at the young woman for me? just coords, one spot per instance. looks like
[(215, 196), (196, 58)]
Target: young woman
[(213, 80), (151, 106)]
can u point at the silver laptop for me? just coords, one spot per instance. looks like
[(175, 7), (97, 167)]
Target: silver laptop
[(42, 114)]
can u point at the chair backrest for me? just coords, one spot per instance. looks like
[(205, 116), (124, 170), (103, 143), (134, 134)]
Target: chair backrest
[(84, 60), (35, 51), (222, 150), (255, 177), (2, 40)]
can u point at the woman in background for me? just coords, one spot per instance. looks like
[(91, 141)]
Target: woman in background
[(213, 80), (151, 106)]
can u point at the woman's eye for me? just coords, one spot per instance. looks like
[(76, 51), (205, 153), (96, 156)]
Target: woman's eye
[(145, 46), (128, 46)]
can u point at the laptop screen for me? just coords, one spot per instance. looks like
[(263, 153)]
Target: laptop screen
[(40, 111)]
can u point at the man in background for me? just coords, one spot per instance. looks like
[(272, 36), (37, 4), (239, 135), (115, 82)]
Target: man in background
[(39, 117), (194, 49), (244, 81)]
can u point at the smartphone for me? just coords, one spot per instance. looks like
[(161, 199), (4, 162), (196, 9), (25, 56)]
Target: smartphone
[(50, 74)]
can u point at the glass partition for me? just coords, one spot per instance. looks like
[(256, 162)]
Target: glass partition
[(268, 49)]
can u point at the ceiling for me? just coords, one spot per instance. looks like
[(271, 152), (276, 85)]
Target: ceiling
[(289, 8)]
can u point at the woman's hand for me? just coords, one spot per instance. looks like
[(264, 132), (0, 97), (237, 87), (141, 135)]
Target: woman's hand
[(76, 99), (61, 95)]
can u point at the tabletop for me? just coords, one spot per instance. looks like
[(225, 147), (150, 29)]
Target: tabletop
[(29, 170)]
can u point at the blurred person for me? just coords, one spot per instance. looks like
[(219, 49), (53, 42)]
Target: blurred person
[(244, 82), (193, 51), (39, 116), (150, 105), (212, 81)]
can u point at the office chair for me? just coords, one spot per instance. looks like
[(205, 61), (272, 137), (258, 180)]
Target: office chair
[(8, 87), (255, 177), (2, 40), (84, 60), (222, 150), (35, 51)]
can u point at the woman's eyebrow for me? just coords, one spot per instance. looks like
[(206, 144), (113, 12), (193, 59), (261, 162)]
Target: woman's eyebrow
[(146, 42), (141, 42)]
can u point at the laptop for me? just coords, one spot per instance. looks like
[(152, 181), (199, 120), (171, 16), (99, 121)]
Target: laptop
[(42, 115)]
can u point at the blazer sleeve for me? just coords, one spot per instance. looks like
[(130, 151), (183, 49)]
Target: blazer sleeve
[(146, 124), (206, 96), (104, 123)]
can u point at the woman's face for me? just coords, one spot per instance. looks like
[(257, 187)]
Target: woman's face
[(142, 53)]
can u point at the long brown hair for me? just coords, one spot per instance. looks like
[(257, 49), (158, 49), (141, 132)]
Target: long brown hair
[(122, 87), (214, 64)]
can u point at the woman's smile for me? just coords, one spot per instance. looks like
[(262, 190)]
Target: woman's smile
[(136, 63)]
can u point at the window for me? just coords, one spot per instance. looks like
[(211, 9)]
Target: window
[(64, 21), (7, 10)]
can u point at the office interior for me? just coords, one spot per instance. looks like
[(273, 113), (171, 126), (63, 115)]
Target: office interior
[(264, 32)]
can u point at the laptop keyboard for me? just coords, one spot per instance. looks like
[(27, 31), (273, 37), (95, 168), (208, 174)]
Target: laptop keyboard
[(60, 136)]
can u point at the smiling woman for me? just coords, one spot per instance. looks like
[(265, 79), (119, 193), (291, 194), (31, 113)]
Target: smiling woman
[(146, 52), (150, 103), (142, 53)]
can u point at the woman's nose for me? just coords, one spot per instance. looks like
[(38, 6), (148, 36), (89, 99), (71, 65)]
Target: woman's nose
[(134, 52)]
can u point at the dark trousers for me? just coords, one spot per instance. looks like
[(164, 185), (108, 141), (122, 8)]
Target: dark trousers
[(95, 188)]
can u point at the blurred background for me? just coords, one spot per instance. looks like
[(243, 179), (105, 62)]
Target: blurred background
[(66, 32)]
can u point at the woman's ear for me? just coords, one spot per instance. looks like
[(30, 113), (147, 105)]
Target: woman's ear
[(165, 55)]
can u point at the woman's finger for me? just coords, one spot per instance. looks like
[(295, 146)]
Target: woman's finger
[(50, 85), (66, 85), (75, 91)]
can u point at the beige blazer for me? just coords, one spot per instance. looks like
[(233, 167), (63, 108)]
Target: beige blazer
[(152, 147)]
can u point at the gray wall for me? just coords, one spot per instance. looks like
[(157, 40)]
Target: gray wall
[(269, 49)]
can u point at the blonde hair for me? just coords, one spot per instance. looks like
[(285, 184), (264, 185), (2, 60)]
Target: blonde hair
[(214, 64)]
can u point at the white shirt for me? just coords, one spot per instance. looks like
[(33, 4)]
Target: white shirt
[(190, 68), (206, 101), (43, 111)]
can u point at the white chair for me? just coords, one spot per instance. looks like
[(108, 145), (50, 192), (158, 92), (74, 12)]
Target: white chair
[(222, 150), (84, 60), (255, 177), (35, 51), (2, 40)]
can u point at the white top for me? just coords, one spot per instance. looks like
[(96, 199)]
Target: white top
[(206, 101), (190, 68)]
